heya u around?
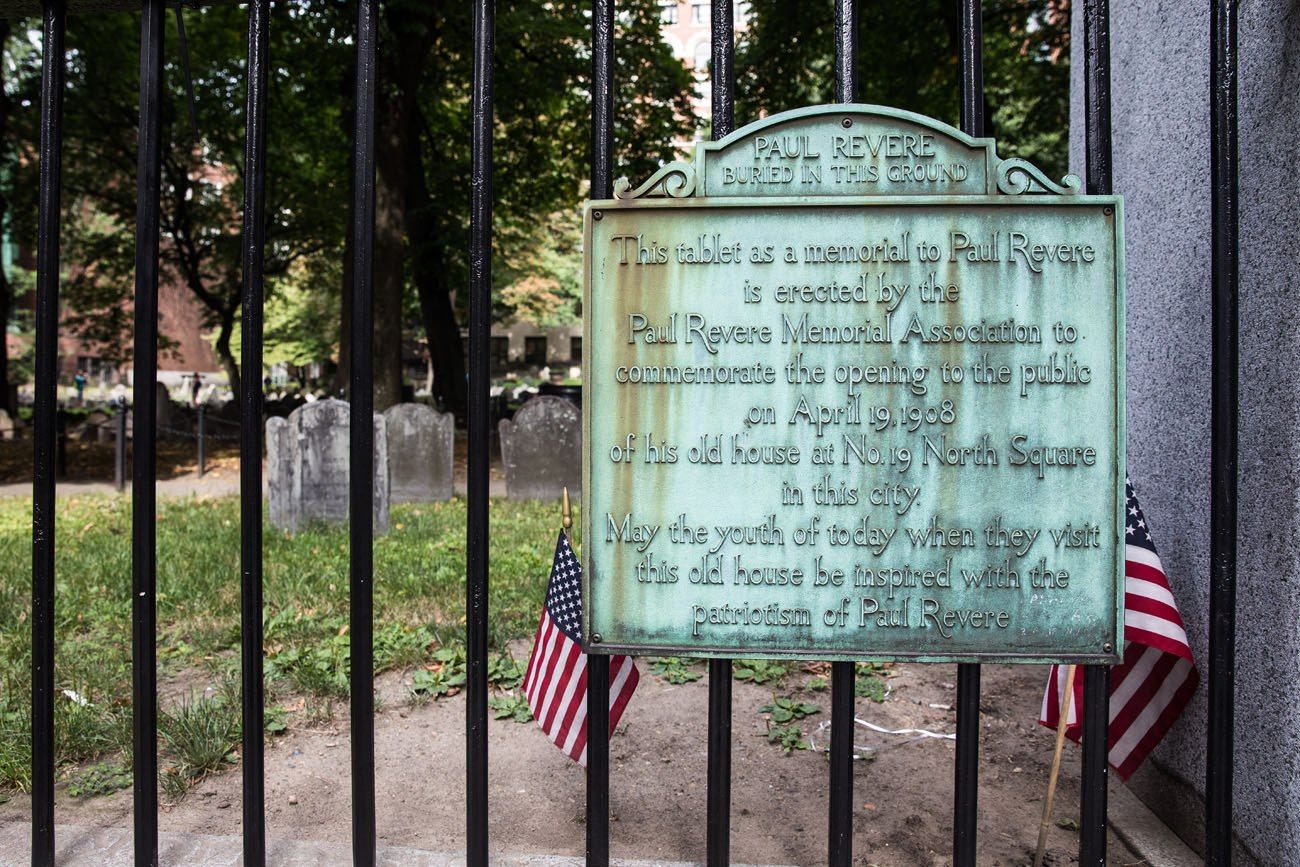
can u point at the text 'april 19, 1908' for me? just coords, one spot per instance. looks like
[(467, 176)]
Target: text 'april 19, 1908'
[(854, 427)]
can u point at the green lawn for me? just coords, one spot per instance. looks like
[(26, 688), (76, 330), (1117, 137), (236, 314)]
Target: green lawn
[(419, 614), (419, 625)]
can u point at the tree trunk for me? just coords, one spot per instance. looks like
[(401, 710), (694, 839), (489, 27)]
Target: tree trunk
[(389, 259), (428, 254), (227, 358)]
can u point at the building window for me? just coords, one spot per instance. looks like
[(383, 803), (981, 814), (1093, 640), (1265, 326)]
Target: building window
[(668, 12), (535, 350), (499, 350), (575, 349), (699, 13), (702, 57)]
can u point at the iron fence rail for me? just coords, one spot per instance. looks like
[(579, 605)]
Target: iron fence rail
[(144, 579)]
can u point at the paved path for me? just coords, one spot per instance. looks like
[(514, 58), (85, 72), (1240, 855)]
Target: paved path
[(111, 847)]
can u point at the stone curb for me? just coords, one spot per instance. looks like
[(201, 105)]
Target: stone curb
[(1144, 833), (80, 846)]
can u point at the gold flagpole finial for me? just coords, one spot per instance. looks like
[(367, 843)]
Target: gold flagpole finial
[(568, 512)]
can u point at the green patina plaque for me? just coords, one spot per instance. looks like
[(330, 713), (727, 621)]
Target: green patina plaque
[(854, 388)]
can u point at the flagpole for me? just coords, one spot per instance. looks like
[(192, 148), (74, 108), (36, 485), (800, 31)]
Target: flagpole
[(1061, 725)]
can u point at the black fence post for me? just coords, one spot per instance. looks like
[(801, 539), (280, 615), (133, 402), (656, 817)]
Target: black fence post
[(250, 439), (44, 420), (1223, 432), (361, 443), (61, 444), (1096, 678), (200, 439), (477, 484), (843, 674), (602, 187), (718, 821), (144, 577), (966, 767), (119, 446)]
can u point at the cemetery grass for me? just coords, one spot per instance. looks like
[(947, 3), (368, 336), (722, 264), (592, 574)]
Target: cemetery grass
[(419, 610)]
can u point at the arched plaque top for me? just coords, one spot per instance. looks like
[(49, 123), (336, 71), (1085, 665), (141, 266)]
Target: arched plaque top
[(847, 150)]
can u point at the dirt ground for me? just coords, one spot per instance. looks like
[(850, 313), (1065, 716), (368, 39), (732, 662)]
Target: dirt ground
[(902, 795)]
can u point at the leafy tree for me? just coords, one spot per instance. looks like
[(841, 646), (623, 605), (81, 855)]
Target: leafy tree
[(541, 152), (908, 58), (202, 166)]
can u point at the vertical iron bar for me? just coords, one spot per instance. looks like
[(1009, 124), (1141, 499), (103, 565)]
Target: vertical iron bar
[(841, 756), (840, 819), (119, 448), (846, 51), (718, 822), (361, 443), (250, 437), (144, 571), (966, 767), (47, 402), (1223, 433), (477, 520), (1096, 678), (200, 437), (602, 187)]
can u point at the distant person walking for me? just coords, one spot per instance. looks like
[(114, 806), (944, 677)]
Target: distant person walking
[(79, 381), (195, 386)]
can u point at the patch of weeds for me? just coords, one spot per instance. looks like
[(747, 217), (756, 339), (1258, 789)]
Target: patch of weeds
[(784, 710), (15, 750), (761, 670), (1067, 823), (870, 686), (102, 778), (675, 669), (512, 705), (443, 677), (817, 684), (504, 672), (275, 720), (199, 736), (788, 738)]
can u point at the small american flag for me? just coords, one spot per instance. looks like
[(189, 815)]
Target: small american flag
[(1157, 678), (556, 680)]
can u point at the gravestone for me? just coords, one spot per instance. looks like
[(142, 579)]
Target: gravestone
[(542, 449), (419, 453), (164, 411), (7, 428), (308, 468)]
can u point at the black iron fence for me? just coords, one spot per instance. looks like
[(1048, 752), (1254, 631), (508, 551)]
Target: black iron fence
[(144, 696)]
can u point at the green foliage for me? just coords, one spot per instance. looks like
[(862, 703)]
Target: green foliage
[(908, 58), (761, 671), (419, 605), (870, 686), (784, 710), (199, 737), (788, 738), (101, 778), (512, 705), (675, 669), (445, 675)]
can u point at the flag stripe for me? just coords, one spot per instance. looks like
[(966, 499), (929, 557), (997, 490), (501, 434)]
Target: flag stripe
[(1157, 678), (555, 682)]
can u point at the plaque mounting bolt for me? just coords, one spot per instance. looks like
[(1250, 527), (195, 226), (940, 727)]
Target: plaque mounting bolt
[(847, 122), (1108, 647), (595, 638), (596, 215), (1108, 211)]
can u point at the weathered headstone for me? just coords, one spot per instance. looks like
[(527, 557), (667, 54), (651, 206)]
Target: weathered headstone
[(164, 411), (308, 468), (542, 449), (7, 427), (419, 453)]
